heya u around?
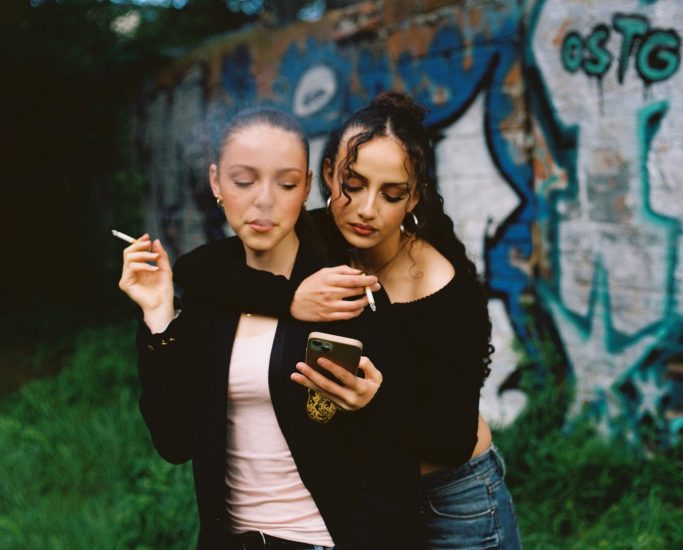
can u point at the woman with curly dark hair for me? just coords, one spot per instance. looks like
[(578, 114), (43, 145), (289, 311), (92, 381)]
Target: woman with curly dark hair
[(383, 202)]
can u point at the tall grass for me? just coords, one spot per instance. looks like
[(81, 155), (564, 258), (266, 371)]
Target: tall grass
[(77, 469)]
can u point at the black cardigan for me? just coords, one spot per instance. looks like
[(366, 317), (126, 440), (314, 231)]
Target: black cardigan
[(359, 472), (436, 332)]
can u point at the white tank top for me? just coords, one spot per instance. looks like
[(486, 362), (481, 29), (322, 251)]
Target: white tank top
[(265, 491)]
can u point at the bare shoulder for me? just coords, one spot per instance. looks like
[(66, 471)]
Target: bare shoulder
[(431, 272)]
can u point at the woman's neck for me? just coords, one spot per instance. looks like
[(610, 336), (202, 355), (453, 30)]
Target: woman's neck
[(279, 260), (380, 258)]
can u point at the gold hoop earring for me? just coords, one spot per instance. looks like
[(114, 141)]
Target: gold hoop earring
[(219, 202)]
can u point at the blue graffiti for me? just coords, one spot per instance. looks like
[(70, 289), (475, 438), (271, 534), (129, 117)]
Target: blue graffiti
[(441, 81), (236, 77), (459, 65), (297, 60)]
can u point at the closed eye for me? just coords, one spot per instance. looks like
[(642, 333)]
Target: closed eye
[(393, 198), (351, 188), (395, 192)]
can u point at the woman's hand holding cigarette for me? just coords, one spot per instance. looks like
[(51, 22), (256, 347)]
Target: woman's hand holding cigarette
[(322, 296), (147, 279)]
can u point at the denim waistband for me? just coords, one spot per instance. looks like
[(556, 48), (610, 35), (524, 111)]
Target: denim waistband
[(481, 464)]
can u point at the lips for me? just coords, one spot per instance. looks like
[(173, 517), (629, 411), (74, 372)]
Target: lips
[(362, 229), (261, 225)]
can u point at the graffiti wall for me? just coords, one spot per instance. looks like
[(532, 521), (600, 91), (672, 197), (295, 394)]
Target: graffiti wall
[(554, 125), (606, 90)]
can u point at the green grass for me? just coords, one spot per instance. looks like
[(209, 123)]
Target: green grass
[(574, 490), (77, 469)]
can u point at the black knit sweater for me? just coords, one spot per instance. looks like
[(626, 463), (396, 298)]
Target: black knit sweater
[(442, 347)]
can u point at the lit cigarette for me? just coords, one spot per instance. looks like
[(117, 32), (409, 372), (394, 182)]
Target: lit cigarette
[(123, 236), (371, 298)]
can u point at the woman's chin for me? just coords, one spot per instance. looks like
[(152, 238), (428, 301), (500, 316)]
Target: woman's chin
[(358, 241), (258, 242)]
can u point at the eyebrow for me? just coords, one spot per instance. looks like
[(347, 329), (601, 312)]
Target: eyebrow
[(385, 184), (280, 171)]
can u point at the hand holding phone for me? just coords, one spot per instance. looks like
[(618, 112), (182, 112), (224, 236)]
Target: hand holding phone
[(352, 394), (343, 351), (355, 392)]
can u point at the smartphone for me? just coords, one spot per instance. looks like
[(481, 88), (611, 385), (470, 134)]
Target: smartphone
[(343, 351)]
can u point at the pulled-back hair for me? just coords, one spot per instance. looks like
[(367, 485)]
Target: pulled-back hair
[(394, 114), (266, 116)]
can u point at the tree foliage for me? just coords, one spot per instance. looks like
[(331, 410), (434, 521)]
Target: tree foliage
[(70, 77)]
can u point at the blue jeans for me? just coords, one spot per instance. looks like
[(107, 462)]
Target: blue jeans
[(469, 506)]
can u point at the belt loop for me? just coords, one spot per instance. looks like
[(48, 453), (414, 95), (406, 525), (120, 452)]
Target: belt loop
[(499, 459)]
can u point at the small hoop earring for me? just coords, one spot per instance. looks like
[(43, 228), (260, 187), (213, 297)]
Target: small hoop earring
[(402, 228), (219, 202), (415, 221), (329, 201)]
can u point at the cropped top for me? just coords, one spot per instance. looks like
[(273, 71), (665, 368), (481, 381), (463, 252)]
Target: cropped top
[(437, 338)]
